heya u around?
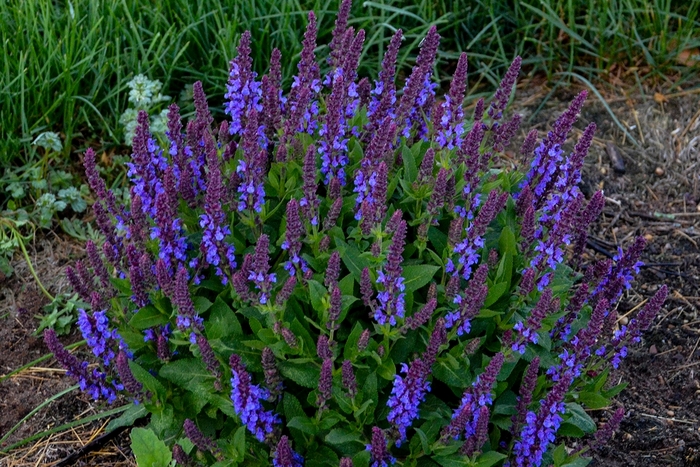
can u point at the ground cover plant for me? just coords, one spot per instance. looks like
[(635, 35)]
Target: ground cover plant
[(343, 275), (67, 64)]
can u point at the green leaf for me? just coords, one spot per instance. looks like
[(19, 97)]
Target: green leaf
[(593, 400), (133, 413), (303, 424), (147, 317), (579, 422), (351, 258), (451, 375), (350, 351), (615, 390), (347, 285), (304, 375), (409, 164), (416, 276), (490, 458), (148, 449), (222, 321), (495, 292), (342, 436), (150, 382), (201, 304), (317, 292), (387, 370)]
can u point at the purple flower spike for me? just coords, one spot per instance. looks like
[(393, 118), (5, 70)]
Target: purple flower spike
[(541, 428), (419, 91), (349, 381), (451, 124), (93, 382), (333, 147), (251, 169), (243, 92), (502, 96), (341, 25), (470, 304), (197, 437), (209, 359), (325, 384), (528, 329), (383, 96), (126, 376), (259, 273), (182, 300), (285, 456), (215, 250), (247, 401), (306, 84), (379, 454), (526, 389), (475, 397), (273, 379), (391, 299), (605, 432), (422, 317)]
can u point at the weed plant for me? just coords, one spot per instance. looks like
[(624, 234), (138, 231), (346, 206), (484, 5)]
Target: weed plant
[(342, 274)]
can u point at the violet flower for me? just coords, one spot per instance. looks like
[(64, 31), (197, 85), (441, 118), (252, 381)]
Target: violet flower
[(259, 273), (383, 96), (450, 128), (251, 169), (470, 304), (502, 96), (213, 221), (285, 456), (379, 454), (391, 299), (541, 428), (243, 92), (419, 91), (247, 401), (93, 382), (475, 397), (408, 392)]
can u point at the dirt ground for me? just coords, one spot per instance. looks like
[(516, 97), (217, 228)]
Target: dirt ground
[(657, 196)]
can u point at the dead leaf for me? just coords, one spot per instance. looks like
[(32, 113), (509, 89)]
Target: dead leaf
[(688, 57), (660, 98)]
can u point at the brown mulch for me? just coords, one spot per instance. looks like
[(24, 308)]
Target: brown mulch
[(661, 177)]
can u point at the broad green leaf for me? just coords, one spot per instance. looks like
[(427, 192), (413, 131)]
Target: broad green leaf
[(148, 449), (147, 317), (304, 375), (578, 423), (416, 276), (201, 304), (351, 350), (351, 258), (342, 436), (387, 369), (304, 424), (409, 164), (317, 292), (593, 400), (496, 291), (150, 382), (222, 321), (490, 458), (133, 413)]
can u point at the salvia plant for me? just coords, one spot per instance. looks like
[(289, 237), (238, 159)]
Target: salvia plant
[(353, 273)]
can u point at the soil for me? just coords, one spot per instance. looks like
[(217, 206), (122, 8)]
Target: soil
[(657, 196)]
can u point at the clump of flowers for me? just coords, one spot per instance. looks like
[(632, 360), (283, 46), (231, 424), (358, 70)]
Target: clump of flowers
[(342, 275)]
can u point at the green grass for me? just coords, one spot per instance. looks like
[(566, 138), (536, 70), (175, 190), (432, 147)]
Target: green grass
[(67, 62)]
